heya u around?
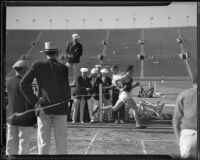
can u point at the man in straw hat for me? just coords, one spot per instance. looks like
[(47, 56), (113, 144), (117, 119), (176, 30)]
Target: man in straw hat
[(18, 127), (54, 91), (74, 52), (82, 94)]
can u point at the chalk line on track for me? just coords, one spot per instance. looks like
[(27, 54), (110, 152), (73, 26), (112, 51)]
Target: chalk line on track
[(93, 139), (143, 147)]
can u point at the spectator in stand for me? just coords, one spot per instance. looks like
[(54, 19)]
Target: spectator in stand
[(18, 126), (185, 121), (118, 115), (141, 92), (149, 92), (106, 83), (94, 99), (82, 94), (74, 51)]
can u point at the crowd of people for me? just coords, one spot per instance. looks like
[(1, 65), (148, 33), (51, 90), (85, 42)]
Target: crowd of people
[(49, 103)]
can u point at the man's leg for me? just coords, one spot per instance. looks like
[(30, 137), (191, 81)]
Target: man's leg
[(12, 140), (24, 139), (75, 111), (43, 133), (90, 108), (108, 113), (115, 96), (60, 132), (82, 106), (131, 104), (75, 68)]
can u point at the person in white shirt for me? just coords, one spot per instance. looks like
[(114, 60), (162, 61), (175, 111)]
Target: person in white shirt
[(118, 115)]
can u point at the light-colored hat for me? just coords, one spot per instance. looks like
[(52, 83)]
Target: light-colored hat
[(84, 69), (98, 66), (50, 46), (104, 70), (94, 71), (20, 64), (75, 36)]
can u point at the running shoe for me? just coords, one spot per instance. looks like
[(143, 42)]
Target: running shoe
[(141, 127), (121, 121)]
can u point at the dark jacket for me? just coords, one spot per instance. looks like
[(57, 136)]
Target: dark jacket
[(106, 83), (18, 104), (52, 77), (81, 86), (74, 52), (95, 86)]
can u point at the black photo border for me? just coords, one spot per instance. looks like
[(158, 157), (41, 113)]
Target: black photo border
[(6, 3)]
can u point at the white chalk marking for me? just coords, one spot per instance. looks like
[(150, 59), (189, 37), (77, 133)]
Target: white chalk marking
[(143, 147), (91, 142)]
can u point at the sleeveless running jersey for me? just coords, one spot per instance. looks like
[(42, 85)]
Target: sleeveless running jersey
[(127, 84)]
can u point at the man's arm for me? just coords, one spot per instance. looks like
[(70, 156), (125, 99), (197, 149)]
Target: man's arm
[(136, 84), (26, 85), (178, 115), (66, 87)]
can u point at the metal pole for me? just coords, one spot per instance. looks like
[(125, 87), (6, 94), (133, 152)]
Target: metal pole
[(117, 22), (34, 20), (169, 18), (151, 19), (83, 23), (187, 17), (17, 21), (134, 22), (67, 21)]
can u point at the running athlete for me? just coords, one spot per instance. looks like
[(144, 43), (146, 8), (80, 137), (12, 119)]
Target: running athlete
[(125, 86)]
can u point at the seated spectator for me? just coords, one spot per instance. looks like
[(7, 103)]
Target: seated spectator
[(141, 91), (148, 93)]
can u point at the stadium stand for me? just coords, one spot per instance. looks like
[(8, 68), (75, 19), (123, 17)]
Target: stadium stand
[(122, 48), (190, 45), (18, 42), (161, 43)]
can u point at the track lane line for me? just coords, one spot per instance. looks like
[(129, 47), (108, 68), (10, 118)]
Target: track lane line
[(143, 147), (92, 141)]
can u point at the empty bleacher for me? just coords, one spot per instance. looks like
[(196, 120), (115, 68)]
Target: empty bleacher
[(189, 35), (122, 49), (161, 43)]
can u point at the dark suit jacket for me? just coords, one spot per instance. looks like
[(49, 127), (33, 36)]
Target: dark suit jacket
[(106, 82), (95, 86), (75, 52), (51, 76), (18, 104), (81, 86)]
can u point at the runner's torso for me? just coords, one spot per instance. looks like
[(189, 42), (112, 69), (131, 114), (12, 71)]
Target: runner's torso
[(127, 84)]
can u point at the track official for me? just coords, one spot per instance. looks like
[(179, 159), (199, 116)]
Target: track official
[(52, 79), (18, 127)]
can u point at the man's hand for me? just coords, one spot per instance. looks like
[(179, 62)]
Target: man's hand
[(41, 100), (137, 84), (88, 89)]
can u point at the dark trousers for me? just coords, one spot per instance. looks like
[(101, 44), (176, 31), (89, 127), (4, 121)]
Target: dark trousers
[(119, 114)]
